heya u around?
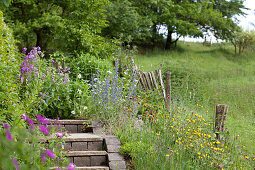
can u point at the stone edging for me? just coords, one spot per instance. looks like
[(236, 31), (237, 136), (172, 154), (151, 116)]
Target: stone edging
[(113, 144)]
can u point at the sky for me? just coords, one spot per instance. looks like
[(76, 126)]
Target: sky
[(244, 22)]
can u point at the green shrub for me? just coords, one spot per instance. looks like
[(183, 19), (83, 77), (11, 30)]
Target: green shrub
[(87, 65), (9, 68)]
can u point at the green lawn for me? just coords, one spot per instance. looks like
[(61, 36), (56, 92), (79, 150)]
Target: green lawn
[(219, 78)]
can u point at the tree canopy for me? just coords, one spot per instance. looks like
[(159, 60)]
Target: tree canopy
[(69, 26)]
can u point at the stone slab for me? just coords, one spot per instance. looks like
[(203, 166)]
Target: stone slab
[(67, 146), (112, 141), (71, 128), (98, 160), (80, 146), (95, 146), (113, 148), (115, 157), (73, 122), (117, 165), (86, 153), (79, 137), (82, 161)]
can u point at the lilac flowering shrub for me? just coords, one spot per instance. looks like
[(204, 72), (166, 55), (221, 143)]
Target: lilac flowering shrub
[(22, 147), (47, 90)]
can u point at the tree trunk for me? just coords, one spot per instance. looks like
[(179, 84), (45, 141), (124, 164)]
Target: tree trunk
[(169, 39), (154, 34), (39, 39)]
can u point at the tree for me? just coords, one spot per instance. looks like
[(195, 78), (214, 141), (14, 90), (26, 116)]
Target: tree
[(69, 26), (243, 40)]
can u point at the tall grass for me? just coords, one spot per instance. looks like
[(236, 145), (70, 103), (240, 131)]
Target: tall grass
[(209, 76)]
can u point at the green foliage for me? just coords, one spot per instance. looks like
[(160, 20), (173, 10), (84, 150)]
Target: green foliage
[(218, 77), (125, 22), (27, 148), (86, 65), (179, 139), (9, 68), (243, 40), (70, 26)]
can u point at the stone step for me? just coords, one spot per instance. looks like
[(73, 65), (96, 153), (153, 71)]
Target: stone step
[(74, 126), (88, 158), (83, 142)]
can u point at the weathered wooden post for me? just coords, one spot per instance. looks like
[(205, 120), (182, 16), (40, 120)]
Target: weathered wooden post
[(168, 90), (161, 82), (220, 118)]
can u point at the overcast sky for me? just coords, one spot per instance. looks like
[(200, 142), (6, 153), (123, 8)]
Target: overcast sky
[(245, 21)]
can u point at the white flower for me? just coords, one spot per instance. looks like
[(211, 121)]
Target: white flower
[(79, 76), (79, 91), (109, 72), (85, 108), (73, 112)]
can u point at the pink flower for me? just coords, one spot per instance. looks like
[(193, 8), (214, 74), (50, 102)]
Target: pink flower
[(22, 80), (50, 154), (44, 130), (6, 125), (220, 167), (71, 166), (23, 116), (16, 163), (8, 135), (43, 158), (60, 135), (42, 119)]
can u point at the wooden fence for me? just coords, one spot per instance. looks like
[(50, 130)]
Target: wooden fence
[(153, 80)]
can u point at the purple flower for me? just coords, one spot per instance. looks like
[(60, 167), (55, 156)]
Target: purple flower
[(43, 75), (42, 119), (43, 158), (16, 163), (50, 154), (6, 125), (44, 130), (23, 116), (60, 135), (22, 80), (8, 135), (71, 166)]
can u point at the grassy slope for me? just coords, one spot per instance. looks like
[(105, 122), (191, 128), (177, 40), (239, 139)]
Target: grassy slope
[(226, 79)]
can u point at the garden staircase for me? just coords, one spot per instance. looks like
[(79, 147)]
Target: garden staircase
[(91, 151)]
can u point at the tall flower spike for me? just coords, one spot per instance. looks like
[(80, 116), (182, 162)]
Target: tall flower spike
[(16, 163)]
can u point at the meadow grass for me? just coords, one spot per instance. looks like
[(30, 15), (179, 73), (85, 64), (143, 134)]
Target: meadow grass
[(209, 76)]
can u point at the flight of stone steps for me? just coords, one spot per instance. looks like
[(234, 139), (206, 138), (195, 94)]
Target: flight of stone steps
[(91, 151)]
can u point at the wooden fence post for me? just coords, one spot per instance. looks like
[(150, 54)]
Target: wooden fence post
[(220, 118), (168, 90), (161, 82)]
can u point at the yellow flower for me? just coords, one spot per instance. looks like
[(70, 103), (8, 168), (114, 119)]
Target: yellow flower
[(152, 131), (199, 153), (217, 142), (246, 157), (157, 134), (167, 155)]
